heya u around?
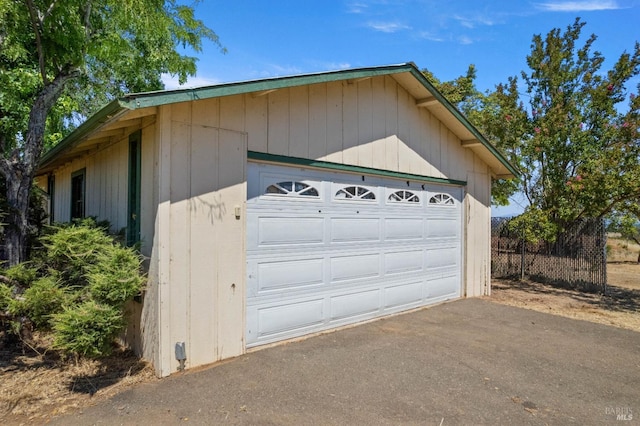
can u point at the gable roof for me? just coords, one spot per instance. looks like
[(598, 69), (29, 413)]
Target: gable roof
[(115, 117)]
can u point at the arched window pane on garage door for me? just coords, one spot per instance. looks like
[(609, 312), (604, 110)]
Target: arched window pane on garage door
[(292, 188), (442, 200), (404, 197), (355, 193)]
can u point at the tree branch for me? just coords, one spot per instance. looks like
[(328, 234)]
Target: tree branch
[(49, 10), (36, 29), (30, 155)]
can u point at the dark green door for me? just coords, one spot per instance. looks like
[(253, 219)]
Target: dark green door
[(133, 221)]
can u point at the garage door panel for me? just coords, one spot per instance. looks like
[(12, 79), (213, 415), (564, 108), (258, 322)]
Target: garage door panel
[(408, 229), (445, 228), (442, 257), (403, 262), (283, 231), (403, 295), (354, 229), (288, 317), (443, 286), (355, 304), (354, 267), (289, 275)]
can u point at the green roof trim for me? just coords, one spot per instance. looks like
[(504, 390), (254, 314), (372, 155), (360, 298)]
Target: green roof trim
[(150, 99), (143, 100), (282, 159), (92, 123)]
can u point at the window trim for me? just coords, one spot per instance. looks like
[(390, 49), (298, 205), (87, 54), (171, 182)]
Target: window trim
[(83, 194), (298, 194), (357, 196), (446, 200), (413, 200)]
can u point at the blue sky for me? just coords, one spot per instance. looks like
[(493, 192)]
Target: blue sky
[(275, 38)]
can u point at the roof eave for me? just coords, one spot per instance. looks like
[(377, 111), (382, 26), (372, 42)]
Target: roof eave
[(109, 112), (461, 118)]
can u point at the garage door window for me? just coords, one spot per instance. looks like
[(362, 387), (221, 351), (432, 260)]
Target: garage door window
[(442, 200), (404, 197), (292, 188), (355, 193)]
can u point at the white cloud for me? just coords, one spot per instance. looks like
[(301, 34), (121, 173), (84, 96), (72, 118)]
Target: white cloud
[(357, 7), (335, 66), (474, 21), (171, 82), (579, 6), (388, 27), (465, 40), (430, 36)]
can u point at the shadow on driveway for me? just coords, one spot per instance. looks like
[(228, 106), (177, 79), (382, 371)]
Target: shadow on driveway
[(466, 362)]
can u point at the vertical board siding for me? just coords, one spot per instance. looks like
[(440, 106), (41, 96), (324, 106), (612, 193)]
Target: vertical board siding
[(179, 249), (299, 122), (350, 125), (257, 124), (278, 119), (365, 123), (317, 121), (204, 212), (334, 123), (105, 186)]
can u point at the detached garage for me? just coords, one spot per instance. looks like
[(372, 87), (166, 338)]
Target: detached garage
[(277, 208)]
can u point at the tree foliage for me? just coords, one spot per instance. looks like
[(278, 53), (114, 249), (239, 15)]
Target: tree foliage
[(570, 127), (62, 59), (579, 150)]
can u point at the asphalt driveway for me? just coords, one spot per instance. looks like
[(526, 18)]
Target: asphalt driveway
[(466, 362)]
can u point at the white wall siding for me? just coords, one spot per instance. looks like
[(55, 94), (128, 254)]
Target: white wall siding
[(106, 174), (199, 254)]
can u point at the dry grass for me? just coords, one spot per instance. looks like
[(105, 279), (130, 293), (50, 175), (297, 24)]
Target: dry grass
[(619, 307), (619, 250), (37, 384)]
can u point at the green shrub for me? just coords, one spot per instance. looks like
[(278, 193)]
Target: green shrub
[(5, 297), (23, 274), (76, 287), (40, 301), (115, 277), (87, 329), (71, 249)]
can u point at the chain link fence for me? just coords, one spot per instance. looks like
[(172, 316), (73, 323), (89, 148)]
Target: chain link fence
[(577, 259)]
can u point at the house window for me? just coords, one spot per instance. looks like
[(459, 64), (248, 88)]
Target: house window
[(292, 188), (442, 200), (404, 197), (355, 193), (51, 190), (77, 194)]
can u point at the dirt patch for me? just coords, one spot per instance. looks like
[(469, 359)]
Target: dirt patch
[(37, 385), (619, 307)]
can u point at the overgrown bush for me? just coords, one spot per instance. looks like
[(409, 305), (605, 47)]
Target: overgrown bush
[(40, 301), (87, 329), (75, 286)]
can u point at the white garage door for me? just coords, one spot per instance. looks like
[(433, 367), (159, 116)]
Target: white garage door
[(325, 249)]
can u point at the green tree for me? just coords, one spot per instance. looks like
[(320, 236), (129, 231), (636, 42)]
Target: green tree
[(59, 56), (482, 110), (572, 128)]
